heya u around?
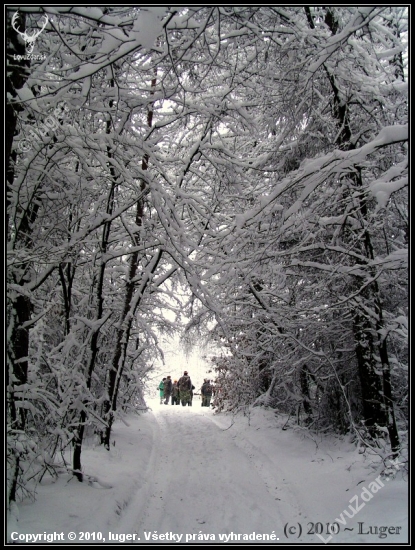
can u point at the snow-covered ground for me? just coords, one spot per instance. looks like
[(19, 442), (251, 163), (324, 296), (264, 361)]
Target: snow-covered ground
[(180, 475)]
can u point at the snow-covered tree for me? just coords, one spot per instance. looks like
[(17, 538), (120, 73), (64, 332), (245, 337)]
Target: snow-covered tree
[(257, 155)]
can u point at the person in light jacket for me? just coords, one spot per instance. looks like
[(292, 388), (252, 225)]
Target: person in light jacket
[(161, 389)]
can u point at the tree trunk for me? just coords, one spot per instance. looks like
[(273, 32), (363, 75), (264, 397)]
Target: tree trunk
[(94, 347), (19, 306), (370, 381), (305, 390), (124, 327), (377, 406), (375, 372)]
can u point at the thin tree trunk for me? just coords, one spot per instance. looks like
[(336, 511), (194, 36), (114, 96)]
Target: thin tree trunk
[(124, 327), (305, 390), (94, 348)]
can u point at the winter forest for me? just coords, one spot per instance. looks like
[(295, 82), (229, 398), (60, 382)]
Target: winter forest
[(237, 176)]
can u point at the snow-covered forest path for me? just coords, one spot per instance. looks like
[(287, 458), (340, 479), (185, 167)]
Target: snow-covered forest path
[(216, 475), (177, 475), (199, 479)]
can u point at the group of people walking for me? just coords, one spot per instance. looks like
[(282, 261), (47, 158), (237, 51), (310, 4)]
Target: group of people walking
[(181, 391)]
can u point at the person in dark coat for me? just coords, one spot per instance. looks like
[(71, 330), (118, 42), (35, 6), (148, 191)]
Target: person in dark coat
[(206, 390), (191, 396), (168, 388), (175, 394), (185, 388)]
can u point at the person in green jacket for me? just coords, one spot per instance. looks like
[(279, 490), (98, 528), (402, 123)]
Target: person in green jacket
[(161, 388), (206, 391)]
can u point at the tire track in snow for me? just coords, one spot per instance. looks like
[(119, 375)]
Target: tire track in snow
[(275, 481)]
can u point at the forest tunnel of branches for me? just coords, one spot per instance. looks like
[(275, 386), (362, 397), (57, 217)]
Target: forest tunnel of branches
[(244, 168)]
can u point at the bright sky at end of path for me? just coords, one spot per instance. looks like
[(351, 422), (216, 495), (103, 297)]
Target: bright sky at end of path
[(176, 361)]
